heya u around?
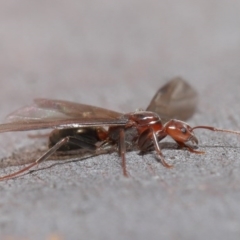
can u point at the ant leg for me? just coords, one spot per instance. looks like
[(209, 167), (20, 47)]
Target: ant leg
[(122, 151), (52, 150), (190, 149), (158, 150)]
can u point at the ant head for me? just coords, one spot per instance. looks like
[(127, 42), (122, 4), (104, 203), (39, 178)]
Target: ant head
[(180, 131)]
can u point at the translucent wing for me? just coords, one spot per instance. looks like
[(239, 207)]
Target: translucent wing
[(47, 113), (177, 99), (54, 109)]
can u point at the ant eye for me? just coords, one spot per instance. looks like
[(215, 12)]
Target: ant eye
[(184, 130)]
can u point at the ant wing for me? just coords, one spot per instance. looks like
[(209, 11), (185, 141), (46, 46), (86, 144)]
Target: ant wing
[(60, 124), (46, 113), (76, 109), (177, 99), (55, 109)]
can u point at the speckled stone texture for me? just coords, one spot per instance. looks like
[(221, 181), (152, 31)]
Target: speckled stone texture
[(116, 54)]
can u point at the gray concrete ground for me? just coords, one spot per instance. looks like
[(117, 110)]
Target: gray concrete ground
[(115, 54)]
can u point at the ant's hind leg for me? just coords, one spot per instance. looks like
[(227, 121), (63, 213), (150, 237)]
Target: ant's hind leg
[(46, 155)]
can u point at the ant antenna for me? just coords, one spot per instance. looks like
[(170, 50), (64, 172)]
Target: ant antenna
[(217, 129)]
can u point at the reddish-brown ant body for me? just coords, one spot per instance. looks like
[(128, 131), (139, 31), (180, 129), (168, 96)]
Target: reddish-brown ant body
[(98, 130)]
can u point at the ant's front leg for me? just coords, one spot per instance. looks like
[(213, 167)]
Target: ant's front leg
[(145, 142), (158, 151), (190, 149)]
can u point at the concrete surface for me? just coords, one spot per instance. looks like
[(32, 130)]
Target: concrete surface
[(116, 54)]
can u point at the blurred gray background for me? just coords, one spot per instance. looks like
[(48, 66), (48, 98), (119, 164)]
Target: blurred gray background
[(116, 54)]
